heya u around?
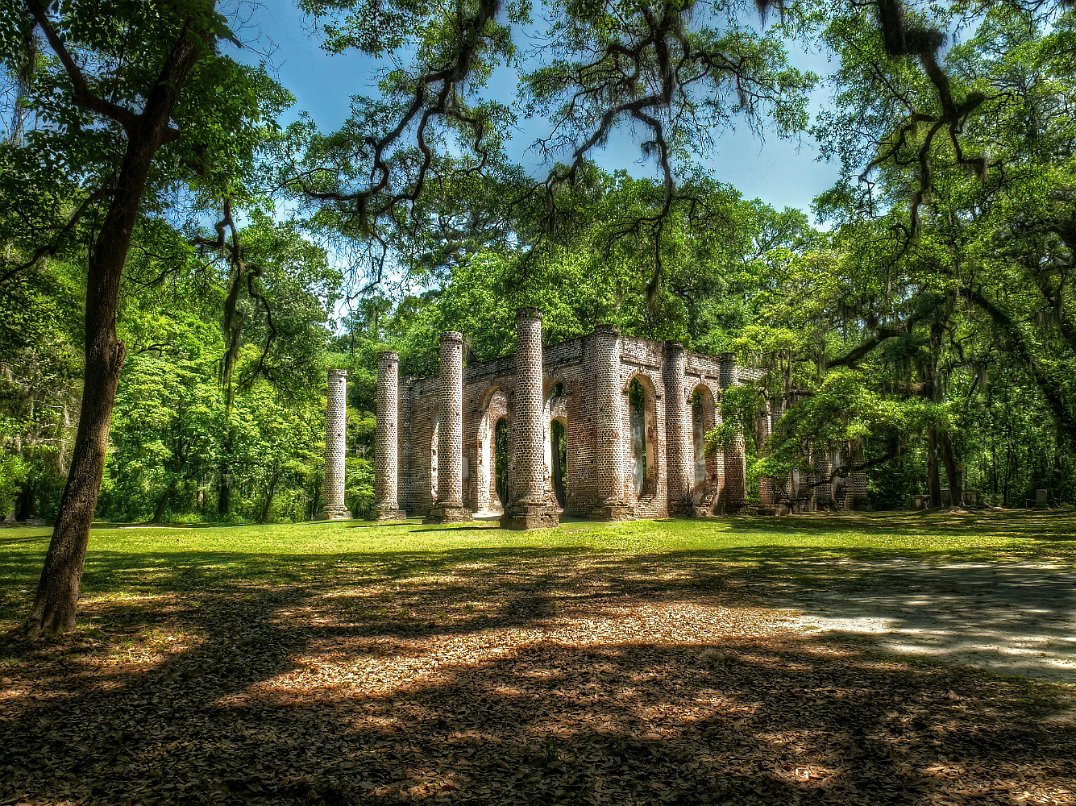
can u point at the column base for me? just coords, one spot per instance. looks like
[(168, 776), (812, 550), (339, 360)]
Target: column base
[(390, 513), (681, 507), (857, 503), (447, 513), (525, 515), (341, 514), (611, 512)]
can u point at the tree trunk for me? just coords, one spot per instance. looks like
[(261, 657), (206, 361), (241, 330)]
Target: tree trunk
[(57, 593), (267, 503), (164, 501), (56, 601), (224, 494), (952, 470), (933, 479)]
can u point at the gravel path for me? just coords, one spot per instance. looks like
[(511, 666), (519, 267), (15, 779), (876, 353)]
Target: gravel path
[(1013, 617)]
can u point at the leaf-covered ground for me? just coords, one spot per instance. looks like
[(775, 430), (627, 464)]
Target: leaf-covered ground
[(679, 662)]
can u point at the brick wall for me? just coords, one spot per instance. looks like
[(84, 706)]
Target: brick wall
[(595, 373)]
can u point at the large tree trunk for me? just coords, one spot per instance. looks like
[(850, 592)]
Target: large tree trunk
[(933, 478), (58, 590), (57, 593), (164, 501), (952, 470), (270, 494), (224, 495)]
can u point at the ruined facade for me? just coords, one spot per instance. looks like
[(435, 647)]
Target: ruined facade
[(606, 427)]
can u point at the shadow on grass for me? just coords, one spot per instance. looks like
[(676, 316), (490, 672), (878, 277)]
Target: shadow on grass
[(1045, 525), (526, 676)]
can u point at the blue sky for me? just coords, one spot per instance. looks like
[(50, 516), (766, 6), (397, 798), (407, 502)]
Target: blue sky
[(782, 173)]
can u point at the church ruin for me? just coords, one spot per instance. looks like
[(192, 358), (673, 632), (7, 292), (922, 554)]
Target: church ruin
[(605, 427)]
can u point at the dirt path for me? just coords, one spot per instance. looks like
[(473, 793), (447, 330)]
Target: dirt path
[(1013, 617)]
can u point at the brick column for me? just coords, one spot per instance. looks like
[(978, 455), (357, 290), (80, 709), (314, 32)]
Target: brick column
[(449, 505), (610, 448), (335, 446), (678, 431), (387, 439), (529, 505)]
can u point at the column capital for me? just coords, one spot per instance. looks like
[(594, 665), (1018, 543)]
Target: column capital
[(529, 313)]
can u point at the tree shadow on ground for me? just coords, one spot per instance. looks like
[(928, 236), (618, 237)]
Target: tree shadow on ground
[(523, 676), (1040, 525)]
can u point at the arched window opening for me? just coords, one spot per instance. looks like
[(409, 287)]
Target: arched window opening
[(637, 403), (698, 424), (703, 419), (559, 437), (500, 459)]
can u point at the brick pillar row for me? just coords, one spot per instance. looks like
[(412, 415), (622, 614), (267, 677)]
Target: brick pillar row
[(856, 486), (823, 491), (734, 486)]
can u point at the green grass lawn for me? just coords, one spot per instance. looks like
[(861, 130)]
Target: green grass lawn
[(664, 661), (127, 560)]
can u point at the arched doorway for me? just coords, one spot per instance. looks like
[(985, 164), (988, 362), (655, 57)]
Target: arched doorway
[(703, 419), (556, 442), (643, 453), (500, 461), (559, 454), (492, 459)]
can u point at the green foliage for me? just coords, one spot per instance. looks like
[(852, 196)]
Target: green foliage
[(13, 469), (929, 333)]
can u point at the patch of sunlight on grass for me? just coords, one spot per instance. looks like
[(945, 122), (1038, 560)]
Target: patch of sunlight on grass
[(132, 560)]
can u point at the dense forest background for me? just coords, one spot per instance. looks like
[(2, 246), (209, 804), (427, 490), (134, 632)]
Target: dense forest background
[(925, 309)]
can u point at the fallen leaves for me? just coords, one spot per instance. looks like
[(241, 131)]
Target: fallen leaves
[(532, 680)]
